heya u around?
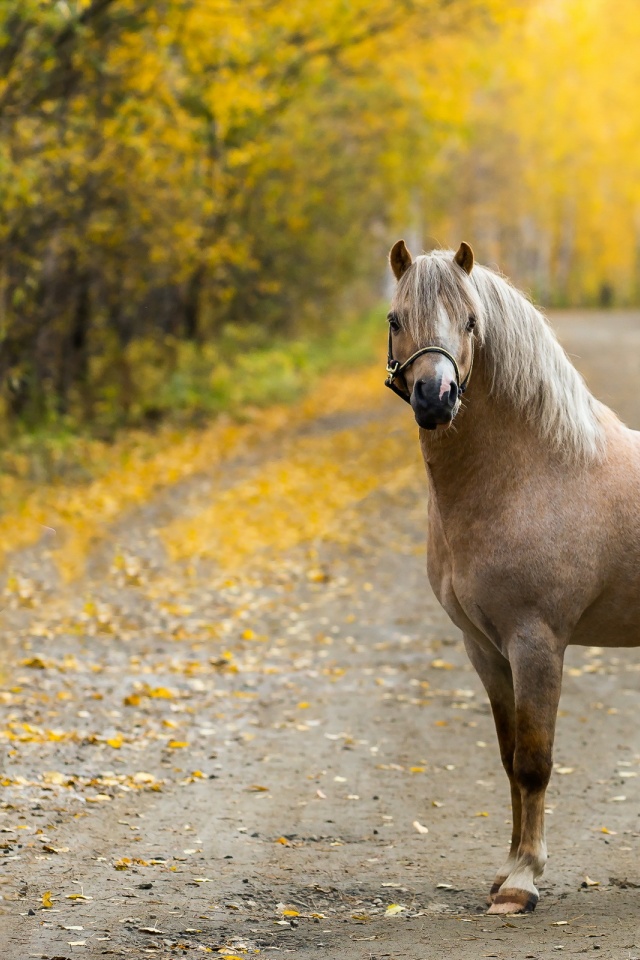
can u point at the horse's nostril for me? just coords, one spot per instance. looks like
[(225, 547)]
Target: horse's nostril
[(453, 395), (421, 389)]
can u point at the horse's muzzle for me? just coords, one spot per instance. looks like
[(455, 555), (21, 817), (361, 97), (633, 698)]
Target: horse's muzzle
[(430, 409)]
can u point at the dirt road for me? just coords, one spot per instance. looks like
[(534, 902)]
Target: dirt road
[(228, 753)]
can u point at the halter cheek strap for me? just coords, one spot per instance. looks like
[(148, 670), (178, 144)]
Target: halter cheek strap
[(396, 369)]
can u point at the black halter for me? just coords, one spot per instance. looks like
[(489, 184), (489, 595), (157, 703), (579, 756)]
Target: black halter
[(396, 369)]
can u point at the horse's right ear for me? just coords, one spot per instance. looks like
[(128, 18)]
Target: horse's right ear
[(464, 257), (399, 258)]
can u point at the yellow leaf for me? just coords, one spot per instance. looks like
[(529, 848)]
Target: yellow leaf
[(142, 777), (36, 663), (441, 665), (55, 778), (115, 742), (177, 744), (394, 909), (290, 913), (47, 901), (160, 693)]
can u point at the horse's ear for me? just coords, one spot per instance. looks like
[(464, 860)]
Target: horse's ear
[(399, 258), (464, 257)]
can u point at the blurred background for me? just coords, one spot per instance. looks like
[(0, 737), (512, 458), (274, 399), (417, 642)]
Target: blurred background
[(198, 196)]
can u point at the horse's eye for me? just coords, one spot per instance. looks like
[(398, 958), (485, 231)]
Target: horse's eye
[(471, 322), (394, 324)]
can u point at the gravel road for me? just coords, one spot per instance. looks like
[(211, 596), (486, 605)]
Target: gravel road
[(290, 754)]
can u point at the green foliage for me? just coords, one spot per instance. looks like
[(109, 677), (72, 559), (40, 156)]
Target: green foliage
[(246, 371)]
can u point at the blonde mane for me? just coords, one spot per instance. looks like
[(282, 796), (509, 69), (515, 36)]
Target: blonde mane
[(524, 361)]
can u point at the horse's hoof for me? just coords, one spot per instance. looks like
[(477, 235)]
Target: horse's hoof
[(514, 901), (493, 893)]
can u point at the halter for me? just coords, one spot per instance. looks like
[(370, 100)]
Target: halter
[(396, 369)]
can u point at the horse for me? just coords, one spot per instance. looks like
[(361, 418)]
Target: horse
[(533, 516)]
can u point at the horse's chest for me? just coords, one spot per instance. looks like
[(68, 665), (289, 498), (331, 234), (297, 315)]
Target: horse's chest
[(441, 577)]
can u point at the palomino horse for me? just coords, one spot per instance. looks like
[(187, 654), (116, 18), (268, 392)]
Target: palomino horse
[(534, 511)]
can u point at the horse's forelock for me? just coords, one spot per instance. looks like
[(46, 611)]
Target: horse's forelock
[(434, 283)]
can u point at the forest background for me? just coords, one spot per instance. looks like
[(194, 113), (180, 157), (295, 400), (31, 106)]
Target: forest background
[(198, 195)]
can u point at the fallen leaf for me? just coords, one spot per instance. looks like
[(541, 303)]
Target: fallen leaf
[(55, 778), (588, 882), (441, 665), (47, 901), (419, 827), (394, 909)]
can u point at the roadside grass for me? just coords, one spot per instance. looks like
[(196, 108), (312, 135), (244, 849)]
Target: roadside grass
[(65, 488)]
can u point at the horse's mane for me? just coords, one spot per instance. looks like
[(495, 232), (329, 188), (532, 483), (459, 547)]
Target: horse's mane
[(523, 358)]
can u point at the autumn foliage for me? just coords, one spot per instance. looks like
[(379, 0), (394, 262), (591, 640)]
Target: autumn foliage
[(183, 182)]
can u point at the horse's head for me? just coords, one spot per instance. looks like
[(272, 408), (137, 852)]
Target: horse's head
[(432, 322)]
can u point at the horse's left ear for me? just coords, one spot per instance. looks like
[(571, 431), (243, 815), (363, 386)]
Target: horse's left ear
[(399, 258), (464, 257)]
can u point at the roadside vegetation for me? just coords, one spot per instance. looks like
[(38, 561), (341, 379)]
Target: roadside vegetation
[(198, 198)]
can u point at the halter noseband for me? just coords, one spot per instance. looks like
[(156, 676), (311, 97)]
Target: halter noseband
[(396, 369)]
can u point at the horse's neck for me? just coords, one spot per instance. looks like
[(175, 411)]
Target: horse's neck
[(489, 441)]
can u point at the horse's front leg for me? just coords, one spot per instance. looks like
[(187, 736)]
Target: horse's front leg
[(536, 659), (495, 672)]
